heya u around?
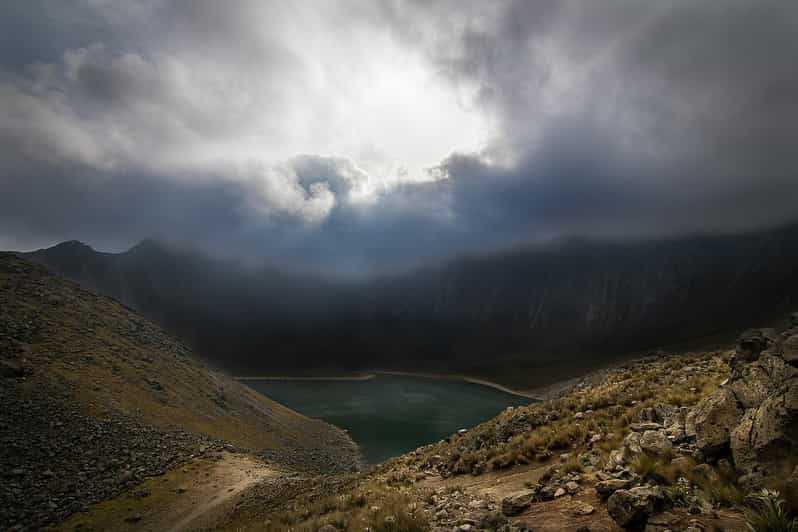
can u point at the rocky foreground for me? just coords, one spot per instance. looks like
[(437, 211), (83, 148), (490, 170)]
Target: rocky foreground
[(683, 441)]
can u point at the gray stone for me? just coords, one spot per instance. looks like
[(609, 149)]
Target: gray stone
[(631, 443), (616, 460), (633, 507), (660, 413), (767, 436), (752, 383), (582, 508), (655, 443), (517, 503), (605, 488), (715, 418), (661, 522)]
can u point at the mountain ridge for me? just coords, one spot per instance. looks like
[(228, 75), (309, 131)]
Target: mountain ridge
[(556, 309)]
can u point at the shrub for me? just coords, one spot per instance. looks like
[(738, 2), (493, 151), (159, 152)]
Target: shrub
[(678, 495), (768, 514), (656, 469), (572, 466), (722, 493)]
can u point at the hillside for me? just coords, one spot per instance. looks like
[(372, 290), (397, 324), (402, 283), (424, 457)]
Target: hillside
[(551, 311), (96, 398), (682, 441)]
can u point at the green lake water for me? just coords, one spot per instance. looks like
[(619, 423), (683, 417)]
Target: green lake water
[(390, 415)]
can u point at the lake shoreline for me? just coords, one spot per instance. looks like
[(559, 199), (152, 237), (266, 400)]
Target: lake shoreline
[(528, 394), (364, 377)]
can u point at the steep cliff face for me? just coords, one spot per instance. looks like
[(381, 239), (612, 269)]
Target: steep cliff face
[(540, 308), (588, 297)]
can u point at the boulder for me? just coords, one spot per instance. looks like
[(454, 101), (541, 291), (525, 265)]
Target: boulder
[(655, 443), (715, 417), (752, 383), (631, 443), (548, 492), (571, 487), (659, 413), (645, 425), (582, 508), (616, 460), (661, 522), (767, 437), (517, 503), (605, 488), (630, 508), (679, 426), (753, 342), (789, 350)]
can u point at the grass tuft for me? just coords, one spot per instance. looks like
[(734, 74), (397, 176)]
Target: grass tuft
[(767, 513)]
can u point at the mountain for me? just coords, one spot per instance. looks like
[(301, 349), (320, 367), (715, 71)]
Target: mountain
[(96, 398), (555, 310)]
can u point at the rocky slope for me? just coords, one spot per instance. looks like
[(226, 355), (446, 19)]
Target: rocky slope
[(681, 441), (95, 399)]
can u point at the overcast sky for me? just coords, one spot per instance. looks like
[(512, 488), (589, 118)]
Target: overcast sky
[(353, 135)]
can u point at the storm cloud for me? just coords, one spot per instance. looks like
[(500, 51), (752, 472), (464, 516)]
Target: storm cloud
[(357, 135)]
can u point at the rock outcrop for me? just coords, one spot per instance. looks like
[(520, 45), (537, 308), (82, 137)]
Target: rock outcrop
[(746, 430), (630, 508), (754, 416), (766, 439), (714, 418)]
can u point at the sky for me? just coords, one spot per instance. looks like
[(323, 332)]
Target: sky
[(353, 136)]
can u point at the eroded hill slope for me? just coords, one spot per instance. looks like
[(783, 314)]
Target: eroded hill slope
[(96, 398)]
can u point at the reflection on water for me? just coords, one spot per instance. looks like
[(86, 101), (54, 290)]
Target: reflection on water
[(390, 415)]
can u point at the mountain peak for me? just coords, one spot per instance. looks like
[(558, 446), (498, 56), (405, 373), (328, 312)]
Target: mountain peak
[(75, 245)]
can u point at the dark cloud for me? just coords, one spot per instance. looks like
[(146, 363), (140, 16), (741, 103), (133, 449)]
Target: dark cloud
[(614, 119)]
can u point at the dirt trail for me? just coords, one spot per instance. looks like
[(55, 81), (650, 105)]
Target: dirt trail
[(228, 479), (191, 497)]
